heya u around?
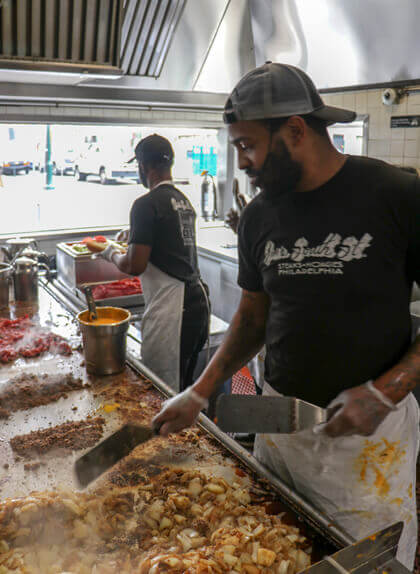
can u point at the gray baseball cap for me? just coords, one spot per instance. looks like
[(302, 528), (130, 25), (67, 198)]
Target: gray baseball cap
[(153, 148), (279, 91)]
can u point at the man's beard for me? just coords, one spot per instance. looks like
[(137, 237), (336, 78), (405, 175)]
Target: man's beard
[(279, 174)]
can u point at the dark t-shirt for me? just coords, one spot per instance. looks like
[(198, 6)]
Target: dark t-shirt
[(338, 264), (165, 220)]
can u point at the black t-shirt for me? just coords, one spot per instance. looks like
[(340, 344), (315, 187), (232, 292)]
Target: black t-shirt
[(338, 264), (165, 220)]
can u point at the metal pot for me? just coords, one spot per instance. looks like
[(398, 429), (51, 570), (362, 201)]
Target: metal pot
[(105, 345), (6, 271), (16, 245), (25, 278)]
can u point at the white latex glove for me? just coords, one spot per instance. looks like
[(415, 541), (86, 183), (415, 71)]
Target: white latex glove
[(357, 411), (108, 253), (179, 412)]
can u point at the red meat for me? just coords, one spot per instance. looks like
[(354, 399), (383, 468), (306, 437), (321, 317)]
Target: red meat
[(36, 340), (122, 288)]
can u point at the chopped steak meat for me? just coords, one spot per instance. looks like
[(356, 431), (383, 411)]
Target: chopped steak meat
[(22, 338), (182, 522), (69, 436), (121, 288), (27, 391)]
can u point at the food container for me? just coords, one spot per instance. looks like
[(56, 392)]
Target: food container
[(6, 271), (25, 278), (105, 344), (75, 269)]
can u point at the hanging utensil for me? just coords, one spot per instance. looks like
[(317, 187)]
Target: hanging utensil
[(91, 303)]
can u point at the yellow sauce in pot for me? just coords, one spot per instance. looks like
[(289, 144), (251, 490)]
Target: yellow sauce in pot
[(106, 316), (104, 321)]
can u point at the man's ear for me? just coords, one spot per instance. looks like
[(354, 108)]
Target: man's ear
[(296, 130)]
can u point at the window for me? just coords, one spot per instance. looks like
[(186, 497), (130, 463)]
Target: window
[(92, 183)]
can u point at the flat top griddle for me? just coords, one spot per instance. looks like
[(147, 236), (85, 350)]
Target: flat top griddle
[(211, 457)]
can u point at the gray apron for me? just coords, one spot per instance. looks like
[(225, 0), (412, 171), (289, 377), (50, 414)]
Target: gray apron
[(161, 324)]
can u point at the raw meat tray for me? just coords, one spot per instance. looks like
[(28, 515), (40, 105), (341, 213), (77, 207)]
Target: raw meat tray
[(126, 301)]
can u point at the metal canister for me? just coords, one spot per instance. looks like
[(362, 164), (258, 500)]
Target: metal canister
[(105, 345), (25, 279), (6, 271), (16, 245)]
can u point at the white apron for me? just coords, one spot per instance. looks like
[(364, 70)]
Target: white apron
[(161, 324), (363, 483)]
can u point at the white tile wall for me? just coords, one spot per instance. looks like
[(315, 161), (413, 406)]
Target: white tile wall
[(397, 146)]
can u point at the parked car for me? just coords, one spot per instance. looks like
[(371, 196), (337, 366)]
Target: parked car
[(13, 167), (108, 163), (63, 164)]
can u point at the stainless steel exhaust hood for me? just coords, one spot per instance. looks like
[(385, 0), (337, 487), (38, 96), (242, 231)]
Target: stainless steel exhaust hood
[(206, 45), (124, 44), (95, 37), (341, 43), (72, 36)]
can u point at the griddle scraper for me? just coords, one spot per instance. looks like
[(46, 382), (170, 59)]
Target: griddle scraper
[(108, 452), (374, 554), (265, 414)]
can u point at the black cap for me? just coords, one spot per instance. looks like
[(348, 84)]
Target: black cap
[(153, 149), (279, 91)]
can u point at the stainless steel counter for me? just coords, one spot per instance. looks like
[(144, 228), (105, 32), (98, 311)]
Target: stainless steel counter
[(218, 242)]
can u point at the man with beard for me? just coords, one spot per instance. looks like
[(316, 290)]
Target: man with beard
[(328, 252), (162, 249)]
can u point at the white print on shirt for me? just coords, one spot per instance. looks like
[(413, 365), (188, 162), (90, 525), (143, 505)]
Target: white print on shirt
[(311, 268), (186, 220), (180, 205), (333, 247)]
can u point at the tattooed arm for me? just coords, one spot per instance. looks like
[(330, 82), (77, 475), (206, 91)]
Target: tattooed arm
[(243, 340), (359, 411), (403, 377)]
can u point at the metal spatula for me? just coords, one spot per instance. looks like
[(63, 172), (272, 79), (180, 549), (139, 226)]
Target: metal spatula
[(256, 414), (108, 452), (375, 554)]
